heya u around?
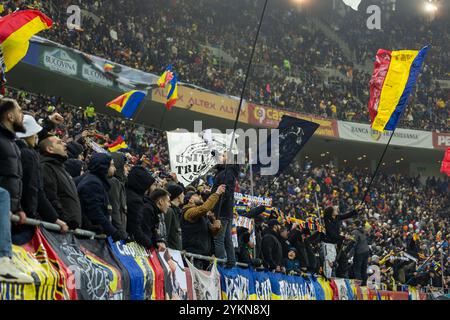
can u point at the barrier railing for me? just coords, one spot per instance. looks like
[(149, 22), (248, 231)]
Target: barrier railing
[(93, 235)]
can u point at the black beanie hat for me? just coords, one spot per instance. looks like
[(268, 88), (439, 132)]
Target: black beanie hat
[(74, 149), (175, 190)]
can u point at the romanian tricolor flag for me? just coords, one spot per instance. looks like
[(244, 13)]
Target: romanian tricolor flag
[(166, 77), (445, 168), (108, 67), (394, 76), (16, 30), (117, 145), (127, 103), (172, 96)]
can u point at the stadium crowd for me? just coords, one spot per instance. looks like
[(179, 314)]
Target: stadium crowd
[(51, 169), (285, 72)]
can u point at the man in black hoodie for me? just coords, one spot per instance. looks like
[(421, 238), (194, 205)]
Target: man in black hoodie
[(117, 193), (272, 249), (223, 243), (93, 192), (59, 187), (155, 207), (138, 184)]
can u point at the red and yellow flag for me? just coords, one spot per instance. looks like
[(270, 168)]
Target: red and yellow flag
[(16, 30)]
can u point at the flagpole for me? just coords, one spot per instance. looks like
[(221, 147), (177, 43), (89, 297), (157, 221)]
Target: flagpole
[(251, 171), (247, 74), (378, 166)]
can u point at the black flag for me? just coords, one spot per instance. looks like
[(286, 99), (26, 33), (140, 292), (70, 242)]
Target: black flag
[(293, 133)]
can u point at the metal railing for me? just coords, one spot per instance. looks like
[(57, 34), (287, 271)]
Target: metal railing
[(187, 255)]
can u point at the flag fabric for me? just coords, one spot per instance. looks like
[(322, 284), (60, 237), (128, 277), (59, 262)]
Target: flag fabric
[(16, 30), (294, 133), (172, 96), (117, 145), (108, 67), (166, 77), (445, 168), (127, 103), (394, 76)]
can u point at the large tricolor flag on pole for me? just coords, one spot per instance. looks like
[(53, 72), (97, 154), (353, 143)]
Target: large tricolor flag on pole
[(394, 76), (16, 30), (445, 168)]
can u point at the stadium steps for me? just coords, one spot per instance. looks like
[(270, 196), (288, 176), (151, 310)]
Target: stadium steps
[(319, 25)]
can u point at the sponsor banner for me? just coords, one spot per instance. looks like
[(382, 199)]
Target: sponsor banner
[(237, 284), (59, 60), (270, 117), (70, 62), (204, 102), (402, 137), (441, 140)]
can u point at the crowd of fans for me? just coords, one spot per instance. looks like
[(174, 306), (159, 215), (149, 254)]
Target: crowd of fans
[(288, 55), (51, 170)]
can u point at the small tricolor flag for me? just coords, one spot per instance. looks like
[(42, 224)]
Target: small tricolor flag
[(127, 103), (108, 67), (16, 30), (445, 168), (117, 145), (394, 76), (166, 77), (172, 96)]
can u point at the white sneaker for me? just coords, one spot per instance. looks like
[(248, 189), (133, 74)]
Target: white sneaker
[(10, 273)]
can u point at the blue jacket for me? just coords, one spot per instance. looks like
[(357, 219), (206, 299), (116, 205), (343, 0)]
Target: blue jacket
[(93, 192)]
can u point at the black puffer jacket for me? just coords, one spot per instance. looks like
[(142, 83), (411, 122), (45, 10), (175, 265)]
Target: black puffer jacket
[(34, 201), (61, 190), (10, 168), (224, 208), (93, 192), (138, 182)]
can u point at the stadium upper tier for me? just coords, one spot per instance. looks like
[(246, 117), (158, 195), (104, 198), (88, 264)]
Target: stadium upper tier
[(305, 63)]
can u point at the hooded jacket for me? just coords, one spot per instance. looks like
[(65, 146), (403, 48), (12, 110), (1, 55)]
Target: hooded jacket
[(139, 181), (151, 219), (60, 190), (10, 168), (272, 250), (117, 193), (224, 208), (93, 192)]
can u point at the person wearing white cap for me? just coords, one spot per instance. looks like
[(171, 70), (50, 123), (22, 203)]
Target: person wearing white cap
[(34, 200)]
